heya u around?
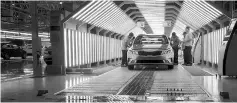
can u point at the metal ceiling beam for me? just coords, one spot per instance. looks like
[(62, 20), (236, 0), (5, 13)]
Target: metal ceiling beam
[(220, 8)]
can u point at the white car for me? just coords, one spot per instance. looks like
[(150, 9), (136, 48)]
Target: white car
[(151, 49)]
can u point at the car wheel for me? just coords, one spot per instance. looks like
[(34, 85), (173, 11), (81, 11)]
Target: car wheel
[(130, 67), (6, 57), (170, 66), (24, 56)]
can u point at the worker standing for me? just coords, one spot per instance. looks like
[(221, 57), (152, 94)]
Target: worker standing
[(175, 41), (126, 44), (187, 43)]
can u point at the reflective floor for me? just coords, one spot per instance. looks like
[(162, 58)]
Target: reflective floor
[(16, 68), (121, 84)]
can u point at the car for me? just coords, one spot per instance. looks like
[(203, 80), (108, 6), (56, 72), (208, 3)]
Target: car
[(12, 50), (151, 49)]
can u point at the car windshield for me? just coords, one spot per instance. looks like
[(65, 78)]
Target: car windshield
[(151, 39)]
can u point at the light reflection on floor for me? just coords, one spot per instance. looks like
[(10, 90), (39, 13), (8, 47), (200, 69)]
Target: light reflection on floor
[(214, 85), (16, 69)]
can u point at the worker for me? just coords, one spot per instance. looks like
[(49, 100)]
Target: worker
[(187, 43), (126, 44), (175, 41)]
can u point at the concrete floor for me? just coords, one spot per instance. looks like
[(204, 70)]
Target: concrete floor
[(25, 90)]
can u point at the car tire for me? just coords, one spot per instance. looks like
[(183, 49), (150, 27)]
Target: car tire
[(6, 57), (130, 67), (170, 66), (24, 56)]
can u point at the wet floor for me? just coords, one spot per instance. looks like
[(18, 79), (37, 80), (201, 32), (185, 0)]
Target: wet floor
[(16, 68), (118, 85), (138, 85)]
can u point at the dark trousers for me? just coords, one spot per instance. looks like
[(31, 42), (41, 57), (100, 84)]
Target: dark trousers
[(176, 50), (188, 55), (124, 57)]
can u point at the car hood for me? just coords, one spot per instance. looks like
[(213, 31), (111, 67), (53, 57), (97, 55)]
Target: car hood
[(151, 47)]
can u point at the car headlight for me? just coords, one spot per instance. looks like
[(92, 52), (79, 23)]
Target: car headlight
[(166, 52), (134, 52)]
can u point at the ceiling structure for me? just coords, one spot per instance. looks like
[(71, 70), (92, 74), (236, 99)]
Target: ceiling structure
[(15, 15), (154, 13)]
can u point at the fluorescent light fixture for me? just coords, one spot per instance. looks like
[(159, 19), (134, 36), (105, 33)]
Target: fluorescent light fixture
[(202, 9), (196, 15), (202, 14), (110, 19), (101, 14), (101, 18), (79, 47), (99, 11), (210, 8), (82, 15), (83, 48), (70, 47), (92, 11), (83, 9), (65, 47), (73, 48)]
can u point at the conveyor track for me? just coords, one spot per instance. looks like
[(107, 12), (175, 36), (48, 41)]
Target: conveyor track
[(139, 84)]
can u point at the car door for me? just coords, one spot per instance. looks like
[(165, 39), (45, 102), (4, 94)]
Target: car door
[(9, 50), (16, 51)]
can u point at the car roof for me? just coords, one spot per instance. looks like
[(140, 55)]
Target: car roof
[(151, 35)]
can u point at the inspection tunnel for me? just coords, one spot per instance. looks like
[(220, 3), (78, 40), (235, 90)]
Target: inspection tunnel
[(119, 51)]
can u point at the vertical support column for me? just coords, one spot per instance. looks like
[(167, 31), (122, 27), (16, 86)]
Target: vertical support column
[(121, 38), (109, 52), (111, 48), (116, 48), (202, 46), (90, 60), (57, 43), (98, 30), (82, 28), (37, 68), (79, 43), (208, 49), (212, 50), (105, 46)]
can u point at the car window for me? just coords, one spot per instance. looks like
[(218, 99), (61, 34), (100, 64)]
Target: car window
[(150, 39), (14, 46), (7, 46)]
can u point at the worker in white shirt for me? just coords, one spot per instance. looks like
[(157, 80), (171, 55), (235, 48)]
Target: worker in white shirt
[(187, 44), (126, 44)]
